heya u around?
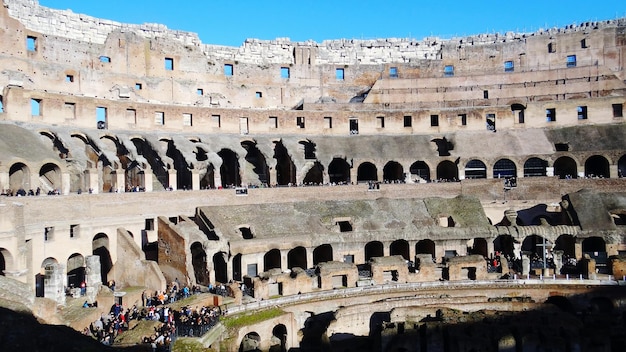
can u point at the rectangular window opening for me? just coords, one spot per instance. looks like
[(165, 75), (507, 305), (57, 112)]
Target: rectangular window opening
[(551, 115), (408, 121), (273, 122), (149, 225), (284, 72), (105, 59), (69, 78), (159, 118), (300, 121), (228, 70), (552, 47), (169, 64), (35, 107), (339, 74), (258, 95), (582, 112), (448, 71), (571, 60), (344, 226), (138, 86), (217, 121), (1, 104), (200, 91), (31, 43), (618, 110), (463, 118), (485, 94), (509, 66), (131, 116), (70, 110), (328, 122), (73, 231), (187, 119), (101, 117), (491, 122), (48, 234), (393, 72), (380, 121), (434, 120), (583, 43)]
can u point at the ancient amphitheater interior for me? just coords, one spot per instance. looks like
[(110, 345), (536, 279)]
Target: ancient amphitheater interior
[(458, 194)]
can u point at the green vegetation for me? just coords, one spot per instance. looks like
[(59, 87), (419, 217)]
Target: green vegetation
[(186, 344), (245, 319)]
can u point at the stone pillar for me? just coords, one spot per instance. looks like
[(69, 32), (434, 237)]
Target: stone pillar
[(120, 180), (557, 256), (4, 180), (380, 173), (65, 183), (172, 178), (461, 172), (581, 171), (550, 171), (93, 279), (53, 283), (525, 264), (195, 180), (588, 267), (354, 175), (148, 178), (92, 181)]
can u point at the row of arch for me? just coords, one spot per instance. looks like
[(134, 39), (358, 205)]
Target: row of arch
[(339, 171), (297, 257)]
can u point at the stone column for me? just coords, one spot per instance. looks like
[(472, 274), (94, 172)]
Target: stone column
[(172, 178), (461, 171), (120, 180), (525, 264), (557, 256), (354, 175), (53, 283), (65, 183), (550, 171), (195, 179), (92, 181), (271, 177), (93, 279), (148, 178)]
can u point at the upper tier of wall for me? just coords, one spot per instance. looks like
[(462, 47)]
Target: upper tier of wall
[(67, 24)]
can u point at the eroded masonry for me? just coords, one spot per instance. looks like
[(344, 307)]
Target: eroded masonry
[(302, 168)]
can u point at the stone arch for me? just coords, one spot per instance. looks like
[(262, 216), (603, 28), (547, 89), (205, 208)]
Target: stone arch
[(155, 161), (339, 171), (393, 172), (57, 144), (180, 164), (534, 244), (315, 174), (6, 261), (565, 167), (322, 253), (595, 248), (272, 260), (505, 245), (562, 303), (75, 270), (400, 247), (475, 169), (534, 167), (100, 247), (597, 166), (259, 162), (420, 171), (425, 247), (373, 249), (199, 263), (279, 338), (447, 171), (220, 267), (308, 147), (504, 168), (40, 277), (50, 176), (567, 244), (621, 166), (285, 167), (237, 273), (367, 172), (479, 246), (19, 177), (229, 171), (297, 258), (251, 342)]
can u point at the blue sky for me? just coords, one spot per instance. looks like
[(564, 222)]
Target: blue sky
[(231, 22)]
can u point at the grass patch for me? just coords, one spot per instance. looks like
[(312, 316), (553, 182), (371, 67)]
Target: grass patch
[(186, 344), (245, 319)]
